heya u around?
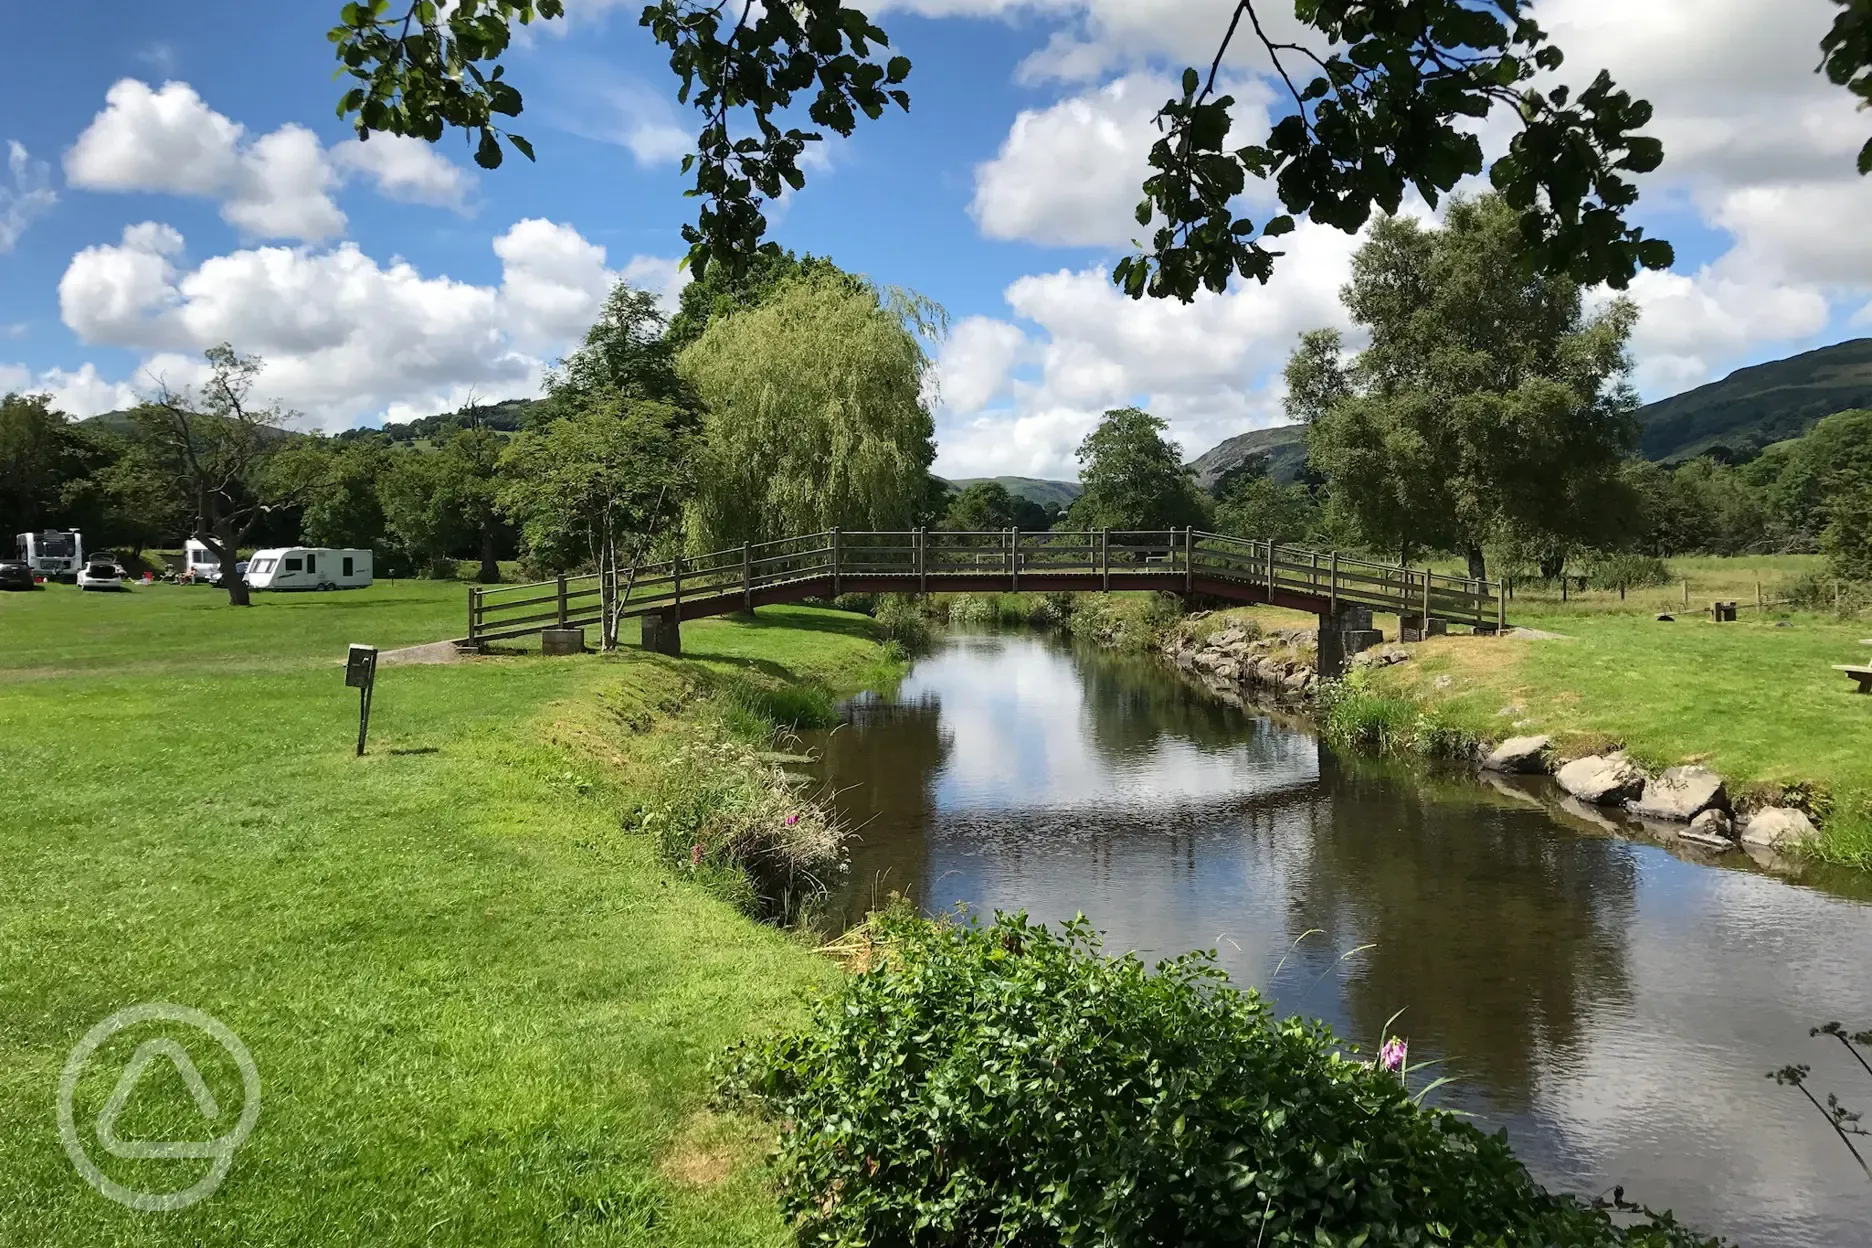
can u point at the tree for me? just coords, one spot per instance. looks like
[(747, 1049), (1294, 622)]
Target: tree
[(135, 505), (1251, 505), (336, 482), (42, 456), (470, 461), (1487, 405), (626, 352), (815, 412), (600, 485), (1392, 107), (215, 448), (988, 506), (722, 291), (1134, 477)]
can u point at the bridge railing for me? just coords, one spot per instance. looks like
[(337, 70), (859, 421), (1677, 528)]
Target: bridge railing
[(924, 559)]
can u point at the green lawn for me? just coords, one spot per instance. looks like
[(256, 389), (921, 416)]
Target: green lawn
[(481, 1013)]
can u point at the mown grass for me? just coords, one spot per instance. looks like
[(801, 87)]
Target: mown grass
[(481, 1011)]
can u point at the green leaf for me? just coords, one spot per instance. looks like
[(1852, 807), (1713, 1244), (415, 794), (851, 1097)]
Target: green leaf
[(1278, 226), (487, 151), (525, 148)]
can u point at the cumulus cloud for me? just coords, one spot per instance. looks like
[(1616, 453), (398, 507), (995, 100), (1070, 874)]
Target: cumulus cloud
[(406, 169), (345, 338), (78, 394), (276, 185), (25, 196), (1210, 368)]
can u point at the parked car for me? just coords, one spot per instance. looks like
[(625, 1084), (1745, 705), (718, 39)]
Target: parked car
[(100, 574), (16, 574)]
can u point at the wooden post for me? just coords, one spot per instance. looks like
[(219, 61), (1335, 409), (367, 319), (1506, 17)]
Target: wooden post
[(1335, 583), (922, 559), (1475, 600), (747, 577), (562, 600), (1501, 610), (1758, 597), (835, 562), (1313, 576), (1105, 557), (1426, 601), (1014, 558), (1686, 592), (1189, 559), (474, 612)]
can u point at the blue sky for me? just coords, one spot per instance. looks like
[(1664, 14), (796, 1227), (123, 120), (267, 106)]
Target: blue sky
[(390, 281)]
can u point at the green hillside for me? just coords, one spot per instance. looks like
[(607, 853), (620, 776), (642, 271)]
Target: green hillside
[(1766, 403), (1284, 445), (1033, 489)]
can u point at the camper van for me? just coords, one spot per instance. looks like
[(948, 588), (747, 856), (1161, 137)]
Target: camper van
[(309, 567), (199, 565), (53, 555)]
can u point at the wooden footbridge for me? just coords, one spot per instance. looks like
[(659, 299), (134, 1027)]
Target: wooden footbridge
[(1343, 591)]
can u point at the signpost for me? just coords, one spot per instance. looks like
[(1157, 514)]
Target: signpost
[(361, 675)]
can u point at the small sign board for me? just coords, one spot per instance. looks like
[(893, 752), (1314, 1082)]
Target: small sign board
[(360, 667), (360, 673)]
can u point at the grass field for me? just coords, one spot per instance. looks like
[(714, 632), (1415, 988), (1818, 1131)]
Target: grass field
[(480, 1011)]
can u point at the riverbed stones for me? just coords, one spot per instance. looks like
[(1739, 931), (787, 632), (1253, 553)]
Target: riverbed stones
[(1519, 754), (1712, 827), (1779, 827), (1602, 781), (1680, 795)]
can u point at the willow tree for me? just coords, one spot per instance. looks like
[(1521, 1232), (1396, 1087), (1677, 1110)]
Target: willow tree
[(816, 415)]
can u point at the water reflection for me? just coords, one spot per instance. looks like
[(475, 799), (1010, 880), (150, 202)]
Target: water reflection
[(1611, 1006)]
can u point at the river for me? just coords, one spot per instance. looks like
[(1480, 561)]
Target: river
[(1610, 1005)]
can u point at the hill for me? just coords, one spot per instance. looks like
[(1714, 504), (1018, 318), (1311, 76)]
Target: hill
[(1284, 445), (1033, 489), (1753, 407)]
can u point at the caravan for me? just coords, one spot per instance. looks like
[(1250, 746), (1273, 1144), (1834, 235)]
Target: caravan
[(309, 567), (53, 554), (199, 565)]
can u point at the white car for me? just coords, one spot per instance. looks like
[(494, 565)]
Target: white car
[(99, 574)]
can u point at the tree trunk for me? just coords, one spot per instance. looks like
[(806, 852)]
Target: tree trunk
[(1551, 566), (224, 549), (1478, 566), (490, 566)]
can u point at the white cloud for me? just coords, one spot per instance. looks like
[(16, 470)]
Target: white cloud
[(1210, 368), (343, 337), (406, 168), (594, 101), (144, 140), (25, 196), (80, 394), (278, 185)]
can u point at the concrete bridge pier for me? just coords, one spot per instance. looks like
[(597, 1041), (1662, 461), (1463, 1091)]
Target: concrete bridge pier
[(1343, 634), (1414, 626), (662, 632)]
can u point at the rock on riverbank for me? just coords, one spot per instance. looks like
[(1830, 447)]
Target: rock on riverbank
[(1240, 657)]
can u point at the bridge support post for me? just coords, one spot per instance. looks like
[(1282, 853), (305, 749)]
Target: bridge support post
[(1105, 557), (1344, 632), (922, 559), (662, 632)]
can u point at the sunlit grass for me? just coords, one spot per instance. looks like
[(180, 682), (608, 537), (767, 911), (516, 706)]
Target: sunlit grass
[(480, 1010)]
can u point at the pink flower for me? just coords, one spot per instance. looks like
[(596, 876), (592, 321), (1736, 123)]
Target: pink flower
[(695, 855), (791, 820), (1391, 1056)]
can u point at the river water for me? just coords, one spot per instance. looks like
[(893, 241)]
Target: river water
[(1610, 1005)]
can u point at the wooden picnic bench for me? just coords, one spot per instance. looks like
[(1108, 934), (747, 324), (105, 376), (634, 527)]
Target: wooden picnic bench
[(1861, 674)]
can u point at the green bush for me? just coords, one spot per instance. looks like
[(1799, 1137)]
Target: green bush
[(1627, 571), (1009, 1085), (903, 621), (1351, 713)]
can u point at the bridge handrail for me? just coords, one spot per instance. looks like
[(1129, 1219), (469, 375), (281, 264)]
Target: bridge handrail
[(918, 557)]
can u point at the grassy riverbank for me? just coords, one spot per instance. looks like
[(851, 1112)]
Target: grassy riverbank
[(480, 1009)]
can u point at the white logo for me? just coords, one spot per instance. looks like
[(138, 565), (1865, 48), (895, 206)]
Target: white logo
[(220, 1150)]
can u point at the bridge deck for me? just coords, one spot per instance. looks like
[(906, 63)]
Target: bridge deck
[(824, 565)]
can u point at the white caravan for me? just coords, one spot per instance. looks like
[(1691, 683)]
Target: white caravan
[(309, 567), (53, 554), (199, 564)]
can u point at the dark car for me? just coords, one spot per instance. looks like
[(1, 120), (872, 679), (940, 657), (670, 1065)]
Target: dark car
[(15, 574)]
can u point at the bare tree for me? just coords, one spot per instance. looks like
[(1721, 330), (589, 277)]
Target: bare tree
[(215, 444)]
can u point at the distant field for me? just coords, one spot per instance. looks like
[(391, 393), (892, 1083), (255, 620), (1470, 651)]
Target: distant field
[(481, 1012)]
